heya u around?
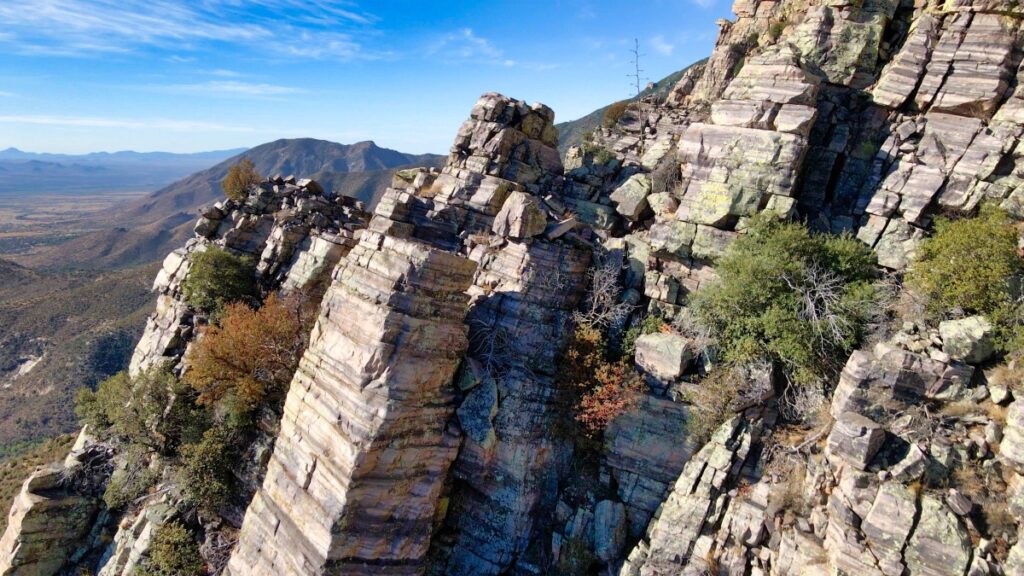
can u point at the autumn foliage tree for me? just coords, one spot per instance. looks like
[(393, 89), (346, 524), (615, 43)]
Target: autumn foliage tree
[(600, 390), (240, 177), (249, 358)]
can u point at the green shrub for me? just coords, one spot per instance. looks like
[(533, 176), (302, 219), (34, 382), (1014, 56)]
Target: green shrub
[(797, 300), (239, 179), (971, 266), (775, 30), (218, 277), (131, 481), (614, 113), (173, 552), (140, 411), (651, 324), (205, 473), (575, 558)]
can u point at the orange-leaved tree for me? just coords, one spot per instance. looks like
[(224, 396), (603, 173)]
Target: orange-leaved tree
[(248, 359), (239, 178), (601, 390)]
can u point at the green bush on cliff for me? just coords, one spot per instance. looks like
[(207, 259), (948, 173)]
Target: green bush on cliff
[(218, 277), (205, 474), (798, 300), (131, 480), (174, 552), (139, 411), (971, 266)]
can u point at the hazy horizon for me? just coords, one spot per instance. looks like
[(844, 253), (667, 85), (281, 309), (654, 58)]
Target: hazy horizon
[(83, 76)]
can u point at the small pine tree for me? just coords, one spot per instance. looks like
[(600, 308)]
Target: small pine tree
[(218, 277), (240, 177), (174, 552), (205, 473)]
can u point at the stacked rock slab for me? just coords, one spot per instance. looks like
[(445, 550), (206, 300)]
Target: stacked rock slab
[(56, 519), (364, 446), (681, 534)]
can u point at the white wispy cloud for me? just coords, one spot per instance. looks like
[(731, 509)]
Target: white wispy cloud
[(465, 45), (96, 27), (229, 88), (662, 46), (704, 3), (4, 94), (136, 123)]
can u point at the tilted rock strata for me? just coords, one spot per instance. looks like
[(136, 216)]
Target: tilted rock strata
[(357, 467)]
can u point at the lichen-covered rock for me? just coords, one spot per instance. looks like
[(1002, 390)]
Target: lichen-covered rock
[(57, 517), (646, 450), (968, 339), (665, 356), (520, 217), (888, 525), (1012, 446), (609, 530), (940, 544), (631, 197)]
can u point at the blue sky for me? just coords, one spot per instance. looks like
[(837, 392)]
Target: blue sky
[(190, 75)]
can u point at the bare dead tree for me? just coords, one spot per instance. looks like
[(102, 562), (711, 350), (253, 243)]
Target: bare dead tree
[(637, 74), (603, 306)]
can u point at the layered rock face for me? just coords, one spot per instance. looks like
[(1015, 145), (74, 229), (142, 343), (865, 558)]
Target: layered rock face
[(355, 477), (355, 481), (56, 519)]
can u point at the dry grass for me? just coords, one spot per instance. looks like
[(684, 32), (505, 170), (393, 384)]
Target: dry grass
[(961, 409)]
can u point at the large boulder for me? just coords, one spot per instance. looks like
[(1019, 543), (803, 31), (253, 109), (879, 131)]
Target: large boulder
[(520, 217), (631, 197), (663, 355), (968, 339), (940, 544), (1011, 448), (855, 439)]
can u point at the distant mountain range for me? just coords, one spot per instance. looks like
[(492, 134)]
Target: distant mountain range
[(30, 172), (326, 162), (123, 157), (150, 227)]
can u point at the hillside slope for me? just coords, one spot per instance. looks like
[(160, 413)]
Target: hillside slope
[(571, 133), (305, 157), (149, 228), (58, 332)]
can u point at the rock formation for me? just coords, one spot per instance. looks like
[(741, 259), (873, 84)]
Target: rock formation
[(424, 429)]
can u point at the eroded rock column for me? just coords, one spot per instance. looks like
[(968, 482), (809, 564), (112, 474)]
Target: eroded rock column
[(354, 481)]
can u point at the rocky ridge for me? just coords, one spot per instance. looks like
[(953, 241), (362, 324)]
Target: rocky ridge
[(418, 434)]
